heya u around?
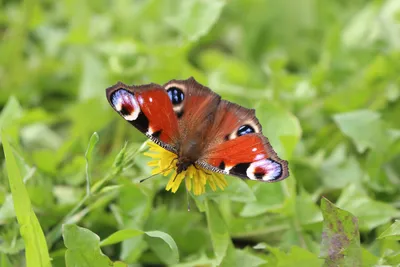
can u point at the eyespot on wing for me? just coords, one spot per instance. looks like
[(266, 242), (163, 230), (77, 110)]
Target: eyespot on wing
[(125, 103)]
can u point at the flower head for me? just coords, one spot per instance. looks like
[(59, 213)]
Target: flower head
[(195, 177)]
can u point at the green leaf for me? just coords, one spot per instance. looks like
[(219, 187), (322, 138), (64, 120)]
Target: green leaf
[(367, 25), (295, 257), (392, 233), (306, 210), (203, 260), (194, 18), (41, 136), (340, 169), (270, 197), (4, 261), (83, 247), (84, 125), (120, 235), (94, 139), (12, 246), (133, 200), (370, 213), (340, 244), (368, 259), (7, 210), (365, 128), (93, 77), (392, 259), (237, 257), (282, 128), (169, 254), (237, 190), (218, 230), (36, 251), (120, 264), (180, 225), (359, 30), (245, 258), (11, 111)]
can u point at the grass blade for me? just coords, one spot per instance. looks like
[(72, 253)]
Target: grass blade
[(94, 139), (36, 251)]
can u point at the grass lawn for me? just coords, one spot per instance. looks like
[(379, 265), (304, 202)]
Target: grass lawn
[(323, 77)]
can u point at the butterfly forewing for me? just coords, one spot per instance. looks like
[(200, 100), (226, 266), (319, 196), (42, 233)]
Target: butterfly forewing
[(149, 109)]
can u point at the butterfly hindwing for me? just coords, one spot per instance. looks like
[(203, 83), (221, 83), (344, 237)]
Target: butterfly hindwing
[(237, 146)]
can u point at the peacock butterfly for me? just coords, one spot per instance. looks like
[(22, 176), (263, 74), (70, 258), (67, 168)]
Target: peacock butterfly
[(203, 130)]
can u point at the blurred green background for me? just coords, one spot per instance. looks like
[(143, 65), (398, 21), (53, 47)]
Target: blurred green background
[(323, 77)]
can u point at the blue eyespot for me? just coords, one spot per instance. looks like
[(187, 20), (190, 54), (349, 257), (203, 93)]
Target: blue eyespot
[(176, 95), (245, 129)]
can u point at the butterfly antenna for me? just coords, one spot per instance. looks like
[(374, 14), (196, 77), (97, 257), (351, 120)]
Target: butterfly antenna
[(144, 179), (165, 170)]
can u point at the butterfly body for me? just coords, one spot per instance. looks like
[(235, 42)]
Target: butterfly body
[(203, 130)]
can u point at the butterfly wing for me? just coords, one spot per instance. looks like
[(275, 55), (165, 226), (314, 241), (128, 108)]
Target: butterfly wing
[(148, 108), (195, 107), (237, 146), (192, 121)]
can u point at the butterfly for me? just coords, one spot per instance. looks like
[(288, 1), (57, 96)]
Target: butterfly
[(203, 130)]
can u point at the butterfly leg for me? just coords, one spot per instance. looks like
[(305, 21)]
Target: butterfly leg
[(176, 175)]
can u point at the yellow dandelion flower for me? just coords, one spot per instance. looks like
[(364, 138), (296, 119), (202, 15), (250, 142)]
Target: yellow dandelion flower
[(196, 178)]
